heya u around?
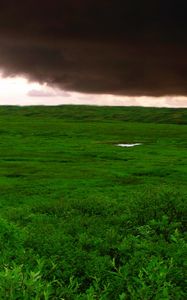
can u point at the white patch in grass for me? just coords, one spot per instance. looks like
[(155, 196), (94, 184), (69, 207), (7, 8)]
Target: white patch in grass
[(129, 145)]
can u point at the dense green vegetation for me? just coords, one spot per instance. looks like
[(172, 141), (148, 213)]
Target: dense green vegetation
[(83, 219)]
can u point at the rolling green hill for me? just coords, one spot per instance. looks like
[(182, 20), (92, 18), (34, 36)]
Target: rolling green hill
[(96, 113), (81, 218)]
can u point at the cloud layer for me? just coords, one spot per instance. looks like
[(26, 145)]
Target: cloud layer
[(117, 47), (18, 91)]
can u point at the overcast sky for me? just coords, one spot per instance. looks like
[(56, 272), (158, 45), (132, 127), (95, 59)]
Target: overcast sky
[(18, 91), (122, 52)]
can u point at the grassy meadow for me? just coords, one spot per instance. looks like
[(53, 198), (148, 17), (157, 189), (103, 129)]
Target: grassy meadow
[(81, 218)]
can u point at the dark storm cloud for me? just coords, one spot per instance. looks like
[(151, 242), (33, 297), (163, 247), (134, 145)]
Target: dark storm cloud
[(128, 47)]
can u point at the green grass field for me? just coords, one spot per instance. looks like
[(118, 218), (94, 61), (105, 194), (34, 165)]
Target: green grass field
[(81, 218)]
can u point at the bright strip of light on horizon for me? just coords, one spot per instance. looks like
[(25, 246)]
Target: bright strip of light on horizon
[(19, 91)]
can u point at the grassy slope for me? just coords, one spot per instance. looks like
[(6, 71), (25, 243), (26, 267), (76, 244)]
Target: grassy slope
[(83, 219)]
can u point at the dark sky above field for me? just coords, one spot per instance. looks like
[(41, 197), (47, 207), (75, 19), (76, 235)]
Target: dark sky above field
[(121, 47)]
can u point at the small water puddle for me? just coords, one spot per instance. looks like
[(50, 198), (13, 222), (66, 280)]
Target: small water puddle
[(128, 145)]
